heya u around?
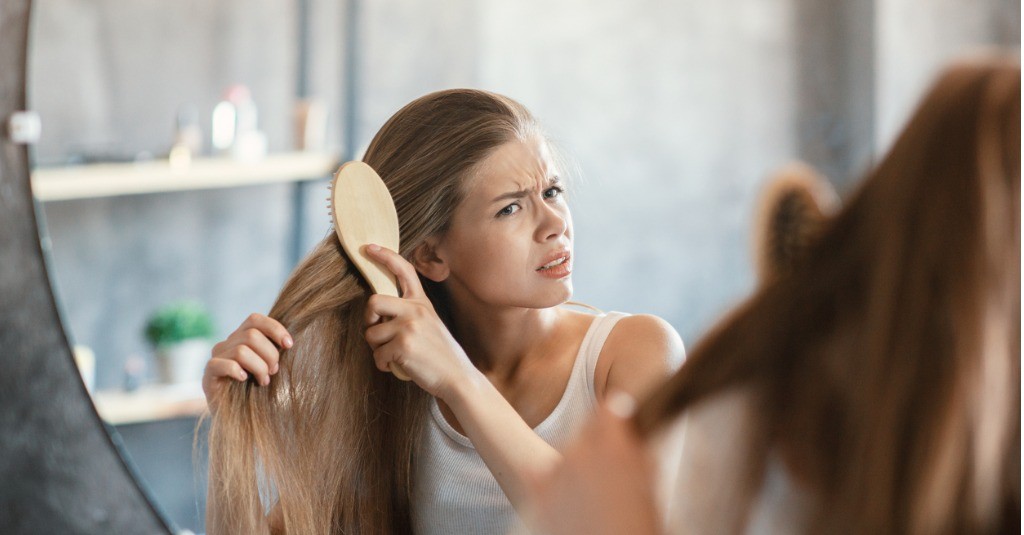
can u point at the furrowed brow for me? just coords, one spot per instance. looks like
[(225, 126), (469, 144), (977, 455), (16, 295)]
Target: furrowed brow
[(521, 193), (518, 194)]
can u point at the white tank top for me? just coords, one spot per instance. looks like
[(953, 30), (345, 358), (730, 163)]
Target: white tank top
[(454, 492)]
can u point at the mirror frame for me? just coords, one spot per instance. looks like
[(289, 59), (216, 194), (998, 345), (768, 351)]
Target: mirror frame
[(61, 467)]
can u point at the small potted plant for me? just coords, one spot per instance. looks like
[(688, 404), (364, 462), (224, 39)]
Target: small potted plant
[(180, 334)]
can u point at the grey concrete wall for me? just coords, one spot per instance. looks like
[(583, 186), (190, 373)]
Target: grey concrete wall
[(835, 46), (917, 37), (409, 48)]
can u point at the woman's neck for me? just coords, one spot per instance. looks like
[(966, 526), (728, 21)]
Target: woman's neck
[(499, 339)]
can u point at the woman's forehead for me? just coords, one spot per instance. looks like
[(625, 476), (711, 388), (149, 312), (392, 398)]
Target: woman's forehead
[(518, 165)]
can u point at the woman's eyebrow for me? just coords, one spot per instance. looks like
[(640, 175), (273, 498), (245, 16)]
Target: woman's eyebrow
[(520, 193)]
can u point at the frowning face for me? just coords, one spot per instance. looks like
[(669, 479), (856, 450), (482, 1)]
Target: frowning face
[(510, 240)]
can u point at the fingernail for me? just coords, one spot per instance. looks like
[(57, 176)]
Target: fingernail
[(276, 367), (373, 247), (242, 376), (288, 341), (265, 381), (621, 404)]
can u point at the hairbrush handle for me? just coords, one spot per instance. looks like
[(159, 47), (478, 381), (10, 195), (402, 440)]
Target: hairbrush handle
[(364, 212)]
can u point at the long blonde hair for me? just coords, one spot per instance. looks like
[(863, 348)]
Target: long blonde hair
[(332, 440), (884, 365)]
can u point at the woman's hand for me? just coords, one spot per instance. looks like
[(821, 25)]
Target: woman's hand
[(411, 334), (251, 349), (605, 483)]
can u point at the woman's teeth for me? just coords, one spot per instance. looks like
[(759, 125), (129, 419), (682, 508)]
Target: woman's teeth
[(553, 263)]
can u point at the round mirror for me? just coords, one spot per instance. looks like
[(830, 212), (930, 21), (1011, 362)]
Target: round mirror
[(181, 169)]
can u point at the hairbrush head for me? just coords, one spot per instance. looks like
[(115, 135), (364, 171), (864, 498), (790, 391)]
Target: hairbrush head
[(794, 207)]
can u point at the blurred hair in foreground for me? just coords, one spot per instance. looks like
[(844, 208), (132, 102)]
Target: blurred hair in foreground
[(885, 362)]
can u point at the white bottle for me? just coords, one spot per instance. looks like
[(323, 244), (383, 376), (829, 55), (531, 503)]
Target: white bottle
[(222, 131), (235, 122)]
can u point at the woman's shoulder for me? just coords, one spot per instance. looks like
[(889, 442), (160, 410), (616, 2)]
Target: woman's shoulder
[(641, 350), (646, 336), (647, 325), (628, 329)]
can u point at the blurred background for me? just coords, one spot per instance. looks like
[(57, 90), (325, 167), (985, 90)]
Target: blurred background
[(673, 113)]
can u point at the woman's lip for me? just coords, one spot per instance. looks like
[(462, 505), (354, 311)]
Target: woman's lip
[(557, 255), (560, 271)]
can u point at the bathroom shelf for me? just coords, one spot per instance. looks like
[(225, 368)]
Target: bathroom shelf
[(149, 403), (155, 402), (114, 179)]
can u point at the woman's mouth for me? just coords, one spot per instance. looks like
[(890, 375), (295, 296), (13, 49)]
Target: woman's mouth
[(557, 267)]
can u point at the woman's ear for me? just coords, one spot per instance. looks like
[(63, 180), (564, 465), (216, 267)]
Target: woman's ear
[(428, 263)]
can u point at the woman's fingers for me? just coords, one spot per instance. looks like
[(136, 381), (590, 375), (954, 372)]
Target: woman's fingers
[(382, 358), (381, 333), (408, 281), (258, 342), (251, 349), (252, 363), (388, 347), (218, 367), (385, 306), (389, 357), (270, 327), (416, 333), (217, 370)]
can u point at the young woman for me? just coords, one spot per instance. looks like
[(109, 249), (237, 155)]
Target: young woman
[(308, 430), (873, 387)]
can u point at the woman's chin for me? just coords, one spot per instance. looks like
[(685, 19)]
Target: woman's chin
[(558, 297), (548, 296)]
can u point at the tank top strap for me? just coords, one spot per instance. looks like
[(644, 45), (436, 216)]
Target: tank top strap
[(580, 397), (594, 342)]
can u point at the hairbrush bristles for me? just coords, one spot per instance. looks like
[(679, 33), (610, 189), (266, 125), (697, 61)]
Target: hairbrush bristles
[(795, 204), (330, 207)]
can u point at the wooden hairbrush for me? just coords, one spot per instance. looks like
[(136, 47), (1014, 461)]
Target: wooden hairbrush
[(363, 213)]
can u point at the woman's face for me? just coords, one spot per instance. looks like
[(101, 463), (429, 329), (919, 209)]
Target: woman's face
[(510, 240)]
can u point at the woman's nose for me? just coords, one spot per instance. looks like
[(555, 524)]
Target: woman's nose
[(554, 221)]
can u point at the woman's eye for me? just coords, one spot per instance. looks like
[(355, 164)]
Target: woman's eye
[(508, 210), (553, 191)]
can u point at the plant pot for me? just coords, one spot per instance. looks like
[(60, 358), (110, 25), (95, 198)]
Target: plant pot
[(183, 362)]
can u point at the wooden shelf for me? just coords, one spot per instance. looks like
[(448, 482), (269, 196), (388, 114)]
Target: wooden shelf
[(113, 179), (149, 403)]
